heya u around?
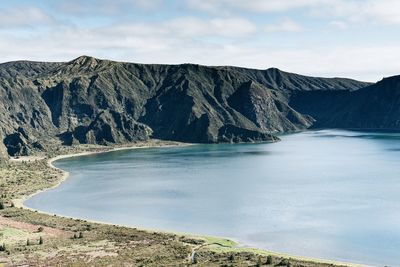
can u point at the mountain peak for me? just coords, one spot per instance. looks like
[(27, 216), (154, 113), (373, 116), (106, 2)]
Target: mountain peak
[(85, 61), (83, 64), (273, 69)]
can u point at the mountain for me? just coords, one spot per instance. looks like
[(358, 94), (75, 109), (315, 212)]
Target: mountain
[(375, 107), (88, 100)]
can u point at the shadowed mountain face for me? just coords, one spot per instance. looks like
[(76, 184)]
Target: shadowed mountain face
[(94, 101), (375, 107)]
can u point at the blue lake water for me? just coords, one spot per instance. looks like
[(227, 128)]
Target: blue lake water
[(326, 194)]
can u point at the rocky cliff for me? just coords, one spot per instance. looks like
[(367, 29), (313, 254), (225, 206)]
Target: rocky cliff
[(88, 100)]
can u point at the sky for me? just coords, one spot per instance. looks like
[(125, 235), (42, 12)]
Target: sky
[(358, 39)]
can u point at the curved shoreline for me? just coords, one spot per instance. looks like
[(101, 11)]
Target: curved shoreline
[(19, 203)]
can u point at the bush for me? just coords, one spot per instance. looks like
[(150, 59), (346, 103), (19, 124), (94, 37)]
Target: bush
[(41, 241), (259, 263), (284, 262), (269, 259), (2, 206), (3, 247)]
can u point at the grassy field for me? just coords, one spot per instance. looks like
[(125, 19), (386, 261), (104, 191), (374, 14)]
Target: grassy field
[(35, 239)]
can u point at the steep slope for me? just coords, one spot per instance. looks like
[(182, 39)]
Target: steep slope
[(205, 98), (268, 109), (88, 100), (375, 107)]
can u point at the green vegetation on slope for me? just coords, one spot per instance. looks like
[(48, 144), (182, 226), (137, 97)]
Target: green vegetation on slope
[(92, 101)]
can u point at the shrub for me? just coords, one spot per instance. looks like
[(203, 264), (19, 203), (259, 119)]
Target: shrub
[(284, 262), (269, 259), (3, 247), (41, 241), (259, 263)]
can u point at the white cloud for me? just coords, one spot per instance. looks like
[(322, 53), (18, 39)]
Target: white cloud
[(188, 27), (104, 7), (211, 6), (23, 17), (233, 26), (273, 5), (360, 11), (252, 5), (338, 24), (286, 25), (354, 11), (168, 39), (136, 44), (215, 39), (382, 11)]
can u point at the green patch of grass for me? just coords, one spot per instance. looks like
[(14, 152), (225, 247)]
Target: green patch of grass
[(220, 241), (7, 233)]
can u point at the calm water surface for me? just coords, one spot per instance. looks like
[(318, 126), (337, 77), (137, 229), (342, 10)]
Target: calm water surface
[(328, 194)]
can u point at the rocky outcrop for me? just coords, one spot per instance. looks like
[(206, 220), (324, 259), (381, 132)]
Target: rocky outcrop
[(268, 109), (88, 100), (3, 151), (108, 128), (21, 143)]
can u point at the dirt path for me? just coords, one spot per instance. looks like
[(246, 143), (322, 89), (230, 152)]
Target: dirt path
[(197, 248)]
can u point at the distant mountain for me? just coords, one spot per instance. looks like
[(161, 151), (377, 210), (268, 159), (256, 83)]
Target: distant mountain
[(88, 100), (374, 107)]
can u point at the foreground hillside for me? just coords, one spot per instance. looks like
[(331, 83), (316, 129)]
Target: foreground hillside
[(92, 101)]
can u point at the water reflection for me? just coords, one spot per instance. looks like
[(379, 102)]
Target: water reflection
[(331, 194)]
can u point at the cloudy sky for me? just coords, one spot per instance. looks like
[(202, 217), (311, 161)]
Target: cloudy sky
[(351, 38)]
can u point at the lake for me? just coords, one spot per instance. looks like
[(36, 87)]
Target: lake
[(329, 194)]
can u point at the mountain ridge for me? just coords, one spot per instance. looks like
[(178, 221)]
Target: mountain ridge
[(91, 58), (90, 100)]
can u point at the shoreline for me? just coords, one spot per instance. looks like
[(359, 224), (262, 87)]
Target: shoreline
[(19, 203)]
